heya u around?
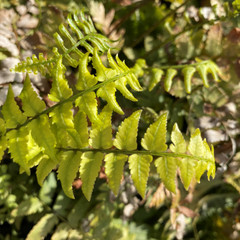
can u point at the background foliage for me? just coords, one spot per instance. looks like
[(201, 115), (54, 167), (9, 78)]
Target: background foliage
[(163, 34)]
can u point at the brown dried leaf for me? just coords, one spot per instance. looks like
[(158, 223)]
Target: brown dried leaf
[(158, 197), (234, 35), (187, 211), (214, 40)]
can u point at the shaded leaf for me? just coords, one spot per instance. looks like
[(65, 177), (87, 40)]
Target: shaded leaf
[(43, 227), (89, 169), (114, 170)]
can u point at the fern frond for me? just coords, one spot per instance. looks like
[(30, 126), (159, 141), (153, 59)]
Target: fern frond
[(88, 103), (203, 68), (108, 91), (60, 137), (81, 33), (35, 65)]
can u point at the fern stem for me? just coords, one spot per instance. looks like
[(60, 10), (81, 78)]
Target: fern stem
[(70, 99), (142, 152), (178, 66)]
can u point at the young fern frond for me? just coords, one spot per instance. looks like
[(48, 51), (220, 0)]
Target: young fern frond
[(203, 68), (36, 64), (80, 32)]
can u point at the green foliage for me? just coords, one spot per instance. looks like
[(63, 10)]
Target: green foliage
[(89, 136), (50, 137), (203, 68)]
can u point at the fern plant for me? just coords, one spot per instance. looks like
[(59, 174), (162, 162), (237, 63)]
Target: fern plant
[(54, 137)]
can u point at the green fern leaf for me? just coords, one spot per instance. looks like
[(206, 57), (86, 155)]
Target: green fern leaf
[(60, 89), (211, 166), (62, 120), (179, 145), (196, 147), (85, 80), (43, 227), (214, 70), (156, 75), (11, 112), (35, 153), (107, 92), (155, 136), (114, 170), (43, 136), (187, 170), (103, 73), (199, 148), (137, 69), (101, 133), (89, 169), (202, 166), (31, 103), (120, 67), (167, 168), (81, 126), (188, 74), (17, 141), (126, 137), (203, 71), (187, 166), (131, 78), (88, 104), (139, 166), (67, 170), (82, 33), (35, 65), (171, 73), (44, 168)]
